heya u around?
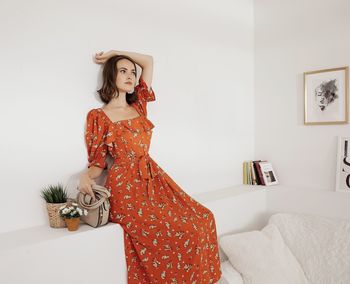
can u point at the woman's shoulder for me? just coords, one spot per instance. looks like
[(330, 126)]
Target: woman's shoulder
[(95, 115), (94, 112)]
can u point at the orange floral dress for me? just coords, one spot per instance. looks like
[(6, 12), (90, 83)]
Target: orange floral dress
[(168, 236)]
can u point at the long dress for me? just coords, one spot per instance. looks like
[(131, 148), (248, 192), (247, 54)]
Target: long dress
[(168, 236)]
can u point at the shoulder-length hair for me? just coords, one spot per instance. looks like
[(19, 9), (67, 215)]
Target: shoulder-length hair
[(109, 74)]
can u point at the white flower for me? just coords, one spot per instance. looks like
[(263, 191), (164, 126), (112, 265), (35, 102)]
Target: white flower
[(85, 212), (75, 204), (62, 207), (80, 211)]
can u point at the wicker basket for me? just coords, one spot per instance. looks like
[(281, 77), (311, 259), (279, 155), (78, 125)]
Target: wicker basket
[(55, 219)]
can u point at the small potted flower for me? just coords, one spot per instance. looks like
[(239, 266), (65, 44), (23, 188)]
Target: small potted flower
[(55, 196), (71, 214)]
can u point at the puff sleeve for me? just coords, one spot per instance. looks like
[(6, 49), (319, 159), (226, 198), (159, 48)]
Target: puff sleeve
[(94, 138), (144, 95)]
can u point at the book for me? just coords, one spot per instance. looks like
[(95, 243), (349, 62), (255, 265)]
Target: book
[(253, 173), (244, 174), (269, 176), (258, 171)]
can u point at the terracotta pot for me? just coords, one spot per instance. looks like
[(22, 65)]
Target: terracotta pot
[(72, 223)]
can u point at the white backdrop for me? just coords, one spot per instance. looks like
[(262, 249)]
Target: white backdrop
[(203, 81)]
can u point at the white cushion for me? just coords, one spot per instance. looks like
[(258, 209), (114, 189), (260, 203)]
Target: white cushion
[(262, 257), (320, 244), (229, 274)]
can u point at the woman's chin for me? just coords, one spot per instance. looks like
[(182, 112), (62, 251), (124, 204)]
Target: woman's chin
[(128, 90)]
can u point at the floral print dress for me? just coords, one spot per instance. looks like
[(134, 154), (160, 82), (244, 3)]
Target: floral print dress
[(168, 236)]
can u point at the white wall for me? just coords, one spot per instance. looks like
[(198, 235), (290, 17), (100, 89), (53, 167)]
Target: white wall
[(292, 37), (203, 80)]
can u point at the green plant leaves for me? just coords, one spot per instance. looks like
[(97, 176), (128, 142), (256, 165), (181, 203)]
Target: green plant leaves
[(54, 194)]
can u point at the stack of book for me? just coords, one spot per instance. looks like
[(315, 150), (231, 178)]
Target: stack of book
[(259, 172)]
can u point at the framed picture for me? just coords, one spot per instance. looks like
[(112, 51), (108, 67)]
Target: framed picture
[(326, 96), (343, 165), (268, 173)]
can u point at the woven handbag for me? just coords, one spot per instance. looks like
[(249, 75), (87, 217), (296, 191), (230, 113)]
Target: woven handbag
[(98, 211)]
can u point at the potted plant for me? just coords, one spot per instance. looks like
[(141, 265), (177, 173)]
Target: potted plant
[(55, 196), (71, 214)]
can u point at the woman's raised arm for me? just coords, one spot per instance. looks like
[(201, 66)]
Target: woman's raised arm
[(143, 60)]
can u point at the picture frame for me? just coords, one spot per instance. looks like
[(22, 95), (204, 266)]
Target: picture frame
[(343, 165), (326, 96), (268, 173)]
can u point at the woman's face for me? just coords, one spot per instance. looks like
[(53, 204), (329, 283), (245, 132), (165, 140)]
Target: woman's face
[(126, 76), (321, 99)]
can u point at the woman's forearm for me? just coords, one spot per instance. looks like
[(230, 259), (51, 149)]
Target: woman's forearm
[(93, 172), (140, 59)]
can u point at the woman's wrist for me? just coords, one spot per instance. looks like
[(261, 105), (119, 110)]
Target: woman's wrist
[(139, 58), (85, 174)]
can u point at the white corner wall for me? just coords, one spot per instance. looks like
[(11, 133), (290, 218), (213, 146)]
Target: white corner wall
[(203, 79), (292, 37)]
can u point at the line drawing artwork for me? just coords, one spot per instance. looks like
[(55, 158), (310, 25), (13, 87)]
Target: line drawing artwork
[(326, 93), (326, 96)]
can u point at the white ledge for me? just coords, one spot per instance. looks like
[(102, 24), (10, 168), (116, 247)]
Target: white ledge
[(45, 247), (38, 234), (231, 191)]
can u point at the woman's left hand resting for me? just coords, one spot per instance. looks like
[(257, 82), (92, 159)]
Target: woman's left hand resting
[(102, 57)]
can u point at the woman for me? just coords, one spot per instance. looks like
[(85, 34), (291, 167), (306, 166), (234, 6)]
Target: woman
[(168, 236)]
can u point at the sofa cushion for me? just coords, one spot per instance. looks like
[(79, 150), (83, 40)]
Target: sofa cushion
[(320, 244), (261, 257), (229, 274)]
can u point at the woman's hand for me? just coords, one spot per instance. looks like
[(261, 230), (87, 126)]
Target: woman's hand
[(102, 57), (85, 183)]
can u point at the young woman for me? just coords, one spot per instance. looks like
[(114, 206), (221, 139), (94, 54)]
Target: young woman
[(168, 236)]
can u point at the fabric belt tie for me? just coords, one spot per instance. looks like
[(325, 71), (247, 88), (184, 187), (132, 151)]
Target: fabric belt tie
[(146, 169), (147, 172)]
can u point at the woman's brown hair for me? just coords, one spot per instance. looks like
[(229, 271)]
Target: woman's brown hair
[(109, 74)]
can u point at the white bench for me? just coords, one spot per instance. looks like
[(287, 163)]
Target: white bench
[(96, 255)]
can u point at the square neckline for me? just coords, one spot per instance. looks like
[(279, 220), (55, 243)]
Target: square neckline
[(127, 119)]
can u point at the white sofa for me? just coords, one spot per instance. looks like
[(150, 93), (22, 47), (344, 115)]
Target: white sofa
[(320, 246)]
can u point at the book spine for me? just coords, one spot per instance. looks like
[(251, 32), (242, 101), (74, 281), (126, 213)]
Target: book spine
[(253, 173), (258, 181), (248, 172), (260, 173), (244, 174)]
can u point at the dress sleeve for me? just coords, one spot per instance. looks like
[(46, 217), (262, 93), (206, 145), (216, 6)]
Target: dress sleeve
[(94, 138), (144, 95)]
